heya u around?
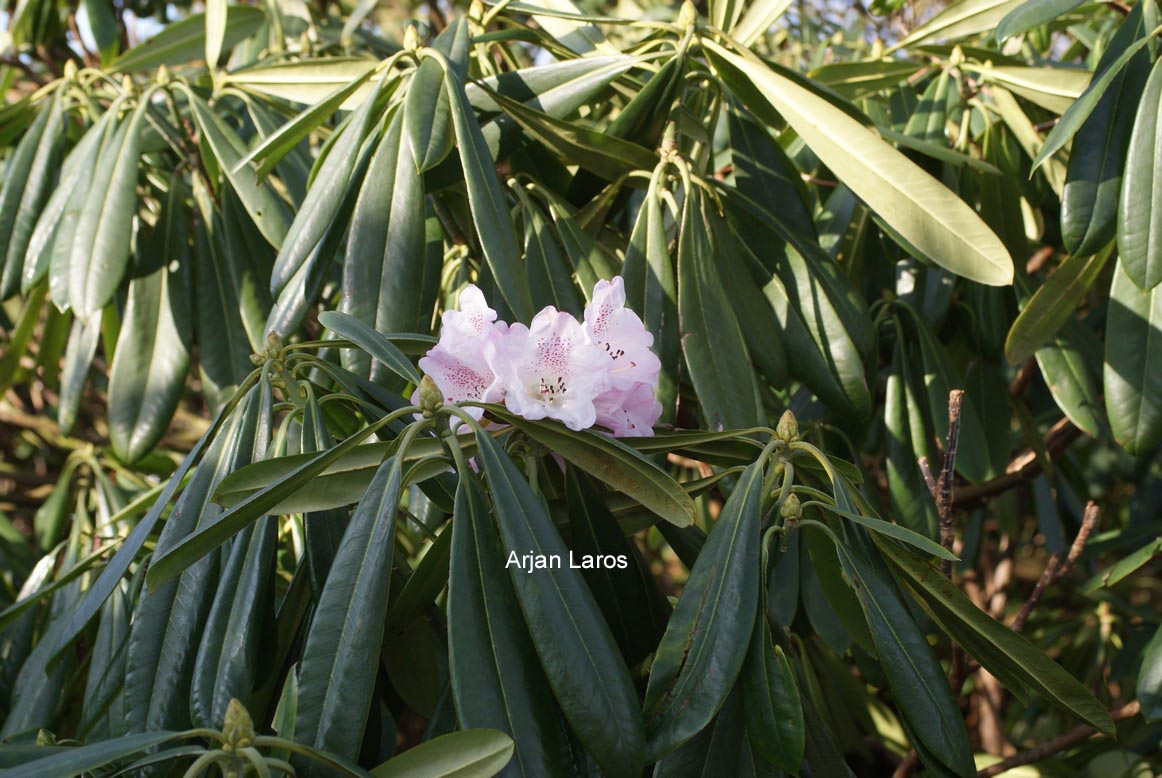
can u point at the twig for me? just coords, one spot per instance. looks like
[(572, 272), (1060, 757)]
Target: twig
[(1024, 467), (1060, 743), (944, 494), (1055, 570)]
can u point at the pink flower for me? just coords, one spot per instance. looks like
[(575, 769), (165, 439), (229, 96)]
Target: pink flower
[(622, 336), (550, 369), (629, 413), (457, 363)]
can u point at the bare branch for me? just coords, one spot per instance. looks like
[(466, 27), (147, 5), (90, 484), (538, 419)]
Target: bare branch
[(1060, 743)]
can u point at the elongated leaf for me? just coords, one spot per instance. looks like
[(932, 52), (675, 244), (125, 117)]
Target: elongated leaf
[(332, 177), (1033, 13), (342, 647), (1124, 46), (1020, 665), (74, 176), (464, 754), (149, 366), (168, 566), (1150, 679), (1093, 183), (577, 651), (712, 340), (185, 40), (28, 177), (68, 762), (613, 462), (167, 623), (215, 30), (386, 275), (651, 290), (706, 639), (961, 19), (497, 681), (486, 200), (1133, 363), (371, 341), (1052, 305), (1139, 219), (268, 212), (78, 359), (924, 212), (895, 531), (917, 681), (101, 243), (770, 696), (1071, 380)]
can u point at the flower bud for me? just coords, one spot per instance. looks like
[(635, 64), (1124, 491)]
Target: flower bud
[(70, 70), (430, 396), (788, 427), (411, 38), (688, 15), (238, 727), (162, 75), (791, 511), (44, 737)]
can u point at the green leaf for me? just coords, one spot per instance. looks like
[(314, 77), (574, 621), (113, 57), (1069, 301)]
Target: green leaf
[(185, 40), (1033, 13), (707, 638), (342, 647), (215, 31), (1016, 662), (168, 566), (959, 20), (760, 15), (428, 111), (1124, 567), (78, 359), (331, 178), (497, 681), (387, 278), (1139, 226), (1070, 379), (167, 623), (577, 651), (712, 340), (1133, 363), (611, 461), (1123, 47), (919, 686), (609, 157), (350, 86), (68, 762), (1093, 183), (464, 754), (770, 696), (54, 221), (371, 341), (888, 529), (486, 201), (908, 496), (1150, 679), (149, 367), (101, 242), (268, 212), (924, 212), (651, 290), (28, 177), (627, 594), (1053, 304)]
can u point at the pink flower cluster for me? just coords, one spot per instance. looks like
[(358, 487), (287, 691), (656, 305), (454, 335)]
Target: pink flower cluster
[(599, 371)]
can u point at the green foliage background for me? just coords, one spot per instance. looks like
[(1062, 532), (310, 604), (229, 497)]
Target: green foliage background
[(226, 234)]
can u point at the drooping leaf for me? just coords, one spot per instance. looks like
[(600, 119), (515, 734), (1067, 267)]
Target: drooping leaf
[(706, 639), (1139, 226), (1133, 363)]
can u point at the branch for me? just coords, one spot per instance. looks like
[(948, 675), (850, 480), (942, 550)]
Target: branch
[(1060, 743), (1024, 467), (1055, 570)]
